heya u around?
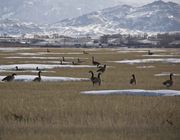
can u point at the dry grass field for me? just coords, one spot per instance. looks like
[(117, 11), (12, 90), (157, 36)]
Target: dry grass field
[(57, 110)]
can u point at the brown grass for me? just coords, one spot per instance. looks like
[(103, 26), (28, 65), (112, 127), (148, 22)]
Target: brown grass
[(57, 110)]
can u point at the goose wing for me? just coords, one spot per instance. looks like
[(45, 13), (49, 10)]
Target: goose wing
[(8, 78)]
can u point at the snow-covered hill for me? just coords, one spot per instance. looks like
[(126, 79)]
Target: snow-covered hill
[(158, 16), (15, 27), (49, 11)]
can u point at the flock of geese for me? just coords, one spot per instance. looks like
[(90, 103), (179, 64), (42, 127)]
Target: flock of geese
[(101, 69), (167, 83), (95, 80)]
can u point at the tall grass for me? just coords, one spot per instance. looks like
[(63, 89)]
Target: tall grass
[(57, 110)]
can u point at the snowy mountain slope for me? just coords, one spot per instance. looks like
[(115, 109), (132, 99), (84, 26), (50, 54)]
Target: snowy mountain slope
[(91, 30), (158, 16), (15, 27), (49, 11)]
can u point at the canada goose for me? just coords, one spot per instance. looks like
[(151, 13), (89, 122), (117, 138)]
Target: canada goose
[(169, 122), (63, 59), (150, 53), (95, 80), (79, 61), (84, 52), (17, 117), (37, 68), (48, 50), (17, 68), (102, 69), (38, 79), (100, 66), (74, 63), (133, 79), (9, 78), (95, 62), (61, 62), (169, 83)]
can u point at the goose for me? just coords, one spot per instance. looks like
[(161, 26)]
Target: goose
[(150, 53), (63, 59), (84, 52), (38, 79), (48, 50), (17, 117), (133, 79), (61, 62), (9, 77), (79, 61), (95, 62), (102, 69), (74, 63), (16, 68), (37, 68), (95, 80), (100, 66), (169, 122), (168, 83)]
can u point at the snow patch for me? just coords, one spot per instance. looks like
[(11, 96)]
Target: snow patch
[(8, 49), (24, 70), (166, 74), (41, 66), (138, 61), (160, 55), (29, 78), (138, 50), (36, 57), (139, 92), (49, 53), (145, 67)]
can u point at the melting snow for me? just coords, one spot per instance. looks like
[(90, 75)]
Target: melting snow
[(139, 92), (44, 53), (137, 61), (130, 50), (29, 54), (166, 74), (36, 57), (28, 78), (41, 66), (8, 49), (160, 55), (24, 70), (145, 67), (48, 62)]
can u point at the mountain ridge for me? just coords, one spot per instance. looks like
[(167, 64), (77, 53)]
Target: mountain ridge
[(158, 16)]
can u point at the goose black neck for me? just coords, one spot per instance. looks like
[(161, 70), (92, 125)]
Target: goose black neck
[(39, 74), (170, 76), (92, 74), (99, 75)]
